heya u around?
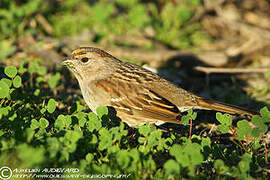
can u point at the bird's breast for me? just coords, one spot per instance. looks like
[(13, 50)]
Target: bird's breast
[(92, 97)]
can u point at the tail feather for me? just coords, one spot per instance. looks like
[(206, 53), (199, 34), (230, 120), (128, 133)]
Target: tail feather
[(223, 107)]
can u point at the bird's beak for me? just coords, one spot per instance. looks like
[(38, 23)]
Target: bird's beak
[(67, 62)]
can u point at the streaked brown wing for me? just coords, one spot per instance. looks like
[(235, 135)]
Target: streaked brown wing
[(140, 102)]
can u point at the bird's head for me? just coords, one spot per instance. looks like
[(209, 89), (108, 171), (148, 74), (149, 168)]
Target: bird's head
[(90, 63)]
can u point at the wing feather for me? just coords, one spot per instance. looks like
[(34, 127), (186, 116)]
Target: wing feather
[(137, 100)]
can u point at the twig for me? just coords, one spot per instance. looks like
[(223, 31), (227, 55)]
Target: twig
[(235, 136), (190, 128), (209, 70), (45, 24), (2, 101), (265, 151), (266, 170), (10, 102)]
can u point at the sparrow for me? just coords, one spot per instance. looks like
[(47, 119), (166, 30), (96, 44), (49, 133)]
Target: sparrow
[(137, 94)]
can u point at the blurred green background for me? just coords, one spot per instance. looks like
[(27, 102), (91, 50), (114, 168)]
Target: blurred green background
[(167, 22), (44, 121)]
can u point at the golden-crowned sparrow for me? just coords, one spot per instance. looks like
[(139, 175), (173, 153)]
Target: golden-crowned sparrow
[(137, 95)]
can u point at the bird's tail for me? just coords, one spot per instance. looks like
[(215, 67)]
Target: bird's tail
[(223, 107)]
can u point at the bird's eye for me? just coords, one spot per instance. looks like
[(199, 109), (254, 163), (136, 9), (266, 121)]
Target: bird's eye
[(84, 59)]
